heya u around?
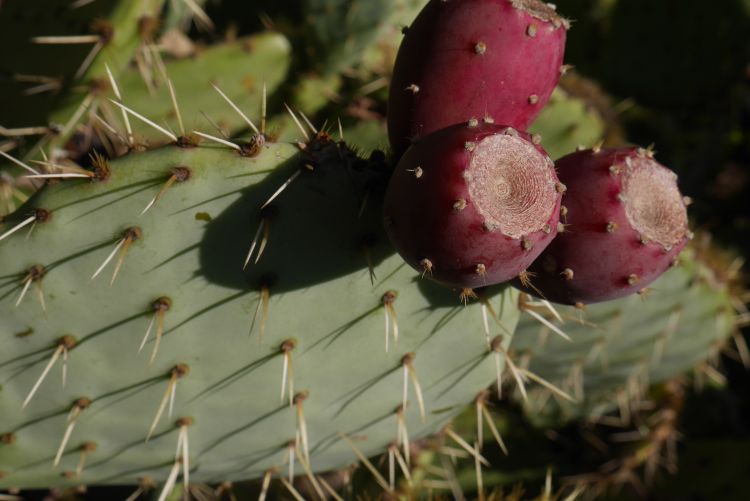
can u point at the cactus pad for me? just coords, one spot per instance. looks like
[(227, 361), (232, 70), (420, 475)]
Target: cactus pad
[(224, 334)]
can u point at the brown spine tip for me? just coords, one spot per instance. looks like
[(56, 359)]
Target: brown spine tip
[(184, 421), (301, 397), (180, 371), (611, 227), (480, 48), (389, 297), (162, 304), (254, 146), (497, 343), (100, 167), (525, 277), (426, 265), (42, 215), (8, 438), (288, 345), (408, 358), (89, 447), (187, 141), (180, 174), (68, 342), (459, 205), (560, 188), (547, 229), (418, 172), (567, 274), (36, 272), (466, 294), (133, 233), (580, 306), (82, 403)]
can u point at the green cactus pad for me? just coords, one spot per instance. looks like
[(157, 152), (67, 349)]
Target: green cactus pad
[(622, 346), (566, 123), (126, 29), (184, 267), (238, 68)]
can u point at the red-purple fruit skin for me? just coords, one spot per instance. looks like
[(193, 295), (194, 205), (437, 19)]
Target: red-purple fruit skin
[(422, 222), (472, 58), (608, 261)]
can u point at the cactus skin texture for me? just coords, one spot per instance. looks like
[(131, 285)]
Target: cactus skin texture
[(567, 122), (621, 347), (474, 58), (626, 222), (239, 69), (310, 296), (473, 204)]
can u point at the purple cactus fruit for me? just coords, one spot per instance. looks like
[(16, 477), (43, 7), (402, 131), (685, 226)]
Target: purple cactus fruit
[(626, 222), (474, 58), (473, 204)]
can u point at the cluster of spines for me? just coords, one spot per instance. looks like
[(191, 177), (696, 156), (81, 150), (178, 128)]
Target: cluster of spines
[(158, 311)]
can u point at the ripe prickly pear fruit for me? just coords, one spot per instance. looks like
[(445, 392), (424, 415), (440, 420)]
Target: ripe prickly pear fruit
[(473, 204), (626, 221), (474, 58)]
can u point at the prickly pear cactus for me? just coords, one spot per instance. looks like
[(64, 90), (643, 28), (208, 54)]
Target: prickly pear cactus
[(618, 348), (567, 123), (240, 69), (126, 32), (129, 328)]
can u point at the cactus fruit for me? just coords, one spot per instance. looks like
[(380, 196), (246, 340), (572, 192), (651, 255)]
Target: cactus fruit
[(620, 347), (306, 297), (626, 221), (473, 204), (474, 58)]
